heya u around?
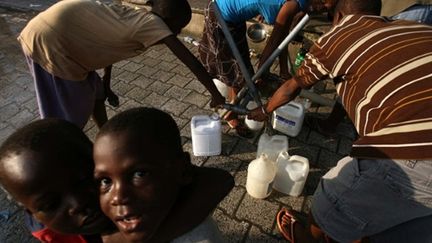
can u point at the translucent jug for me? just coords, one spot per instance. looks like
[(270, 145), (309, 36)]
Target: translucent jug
[(289, 118), (291, 175), (260, 175), (272, 145), (206, 135), (252, 124)]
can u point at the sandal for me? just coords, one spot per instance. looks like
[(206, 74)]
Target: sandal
[(241, 129), (286, 220)]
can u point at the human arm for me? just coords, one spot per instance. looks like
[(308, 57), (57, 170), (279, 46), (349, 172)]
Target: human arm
[(106, 79), (284, 94), (209, 186), (196, 67), (280, 30)]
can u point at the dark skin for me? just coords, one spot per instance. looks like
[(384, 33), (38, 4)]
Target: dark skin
[(173, 43), (281, 29), (59, 191), (141, 185), (287, 92), (290, 89), (67, 206), (182, 53)]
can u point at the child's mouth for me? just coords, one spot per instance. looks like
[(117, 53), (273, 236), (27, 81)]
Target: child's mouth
[(128, 223)]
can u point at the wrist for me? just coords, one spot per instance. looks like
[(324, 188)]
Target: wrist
[(264, 111)]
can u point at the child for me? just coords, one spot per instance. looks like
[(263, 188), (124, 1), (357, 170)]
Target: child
[(66, 43), (143, 172), (47, 167)]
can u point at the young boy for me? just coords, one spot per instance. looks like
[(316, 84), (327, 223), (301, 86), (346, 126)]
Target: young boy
[(143, 172), (66, 43), (47, 167)]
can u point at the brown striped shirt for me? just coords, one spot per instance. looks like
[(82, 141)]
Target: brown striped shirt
[(385, 70)]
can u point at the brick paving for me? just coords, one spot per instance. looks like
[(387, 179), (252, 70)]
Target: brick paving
[(158, 79)]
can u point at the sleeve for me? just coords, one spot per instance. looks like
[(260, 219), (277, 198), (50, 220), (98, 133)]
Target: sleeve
[(314, 67), (49, 236), (151, 30)]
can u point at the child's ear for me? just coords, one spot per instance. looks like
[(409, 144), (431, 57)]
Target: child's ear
[(188, 171)]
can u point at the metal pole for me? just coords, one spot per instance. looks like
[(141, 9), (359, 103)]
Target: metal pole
[(281, 46), (237, 55)]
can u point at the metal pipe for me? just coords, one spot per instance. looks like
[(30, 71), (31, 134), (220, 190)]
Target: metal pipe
[(236, 53), (281, 47), (316, 98)]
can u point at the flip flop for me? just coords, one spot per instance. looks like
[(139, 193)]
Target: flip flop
[(286, 220)]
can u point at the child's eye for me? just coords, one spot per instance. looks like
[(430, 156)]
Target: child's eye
[(141, 174), (104, 183)]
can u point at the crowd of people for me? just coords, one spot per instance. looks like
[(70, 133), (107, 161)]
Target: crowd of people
[(137, 184)]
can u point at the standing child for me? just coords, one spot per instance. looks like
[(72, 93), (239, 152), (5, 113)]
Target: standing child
[(143, 172), (66, 43), (47, 167)]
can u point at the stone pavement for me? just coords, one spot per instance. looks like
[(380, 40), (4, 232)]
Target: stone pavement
[(157, 78)]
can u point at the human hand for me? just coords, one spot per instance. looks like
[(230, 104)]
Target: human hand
[(258, 114)]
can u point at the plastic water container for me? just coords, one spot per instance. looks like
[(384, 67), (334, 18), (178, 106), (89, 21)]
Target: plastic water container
[(260, 176), (272, 146), (222, 87), (289, 118), (252, 124), (206, 135), (292, 172)]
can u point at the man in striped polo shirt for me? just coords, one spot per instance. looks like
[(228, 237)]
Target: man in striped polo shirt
[(384, 73)]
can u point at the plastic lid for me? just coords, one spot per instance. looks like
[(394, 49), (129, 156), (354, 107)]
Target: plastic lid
[(215, 116)]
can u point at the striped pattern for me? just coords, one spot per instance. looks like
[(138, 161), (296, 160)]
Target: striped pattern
[(386, 87)]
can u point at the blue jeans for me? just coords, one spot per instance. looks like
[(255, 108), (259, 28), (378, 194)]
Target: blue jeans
[(418, 13), (359, 198)]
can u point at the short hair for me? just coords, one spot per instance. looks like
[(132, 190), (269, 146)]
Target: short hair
[(150, 123), (50, 135), (369, 7)]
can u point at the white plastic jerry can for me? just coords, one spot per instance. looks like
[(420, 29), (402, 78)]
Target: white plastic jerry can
[(272, 145), (289, 118), (292, 172), (206, 135), (260, 176), (252, 124)]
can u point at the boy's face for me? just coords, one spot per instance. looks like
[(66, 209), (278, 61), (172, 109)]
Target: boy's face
[(59, 194), (138, 185)]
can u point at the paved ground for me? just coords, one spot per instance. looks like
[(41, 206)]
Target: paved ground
[(156, 78)]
